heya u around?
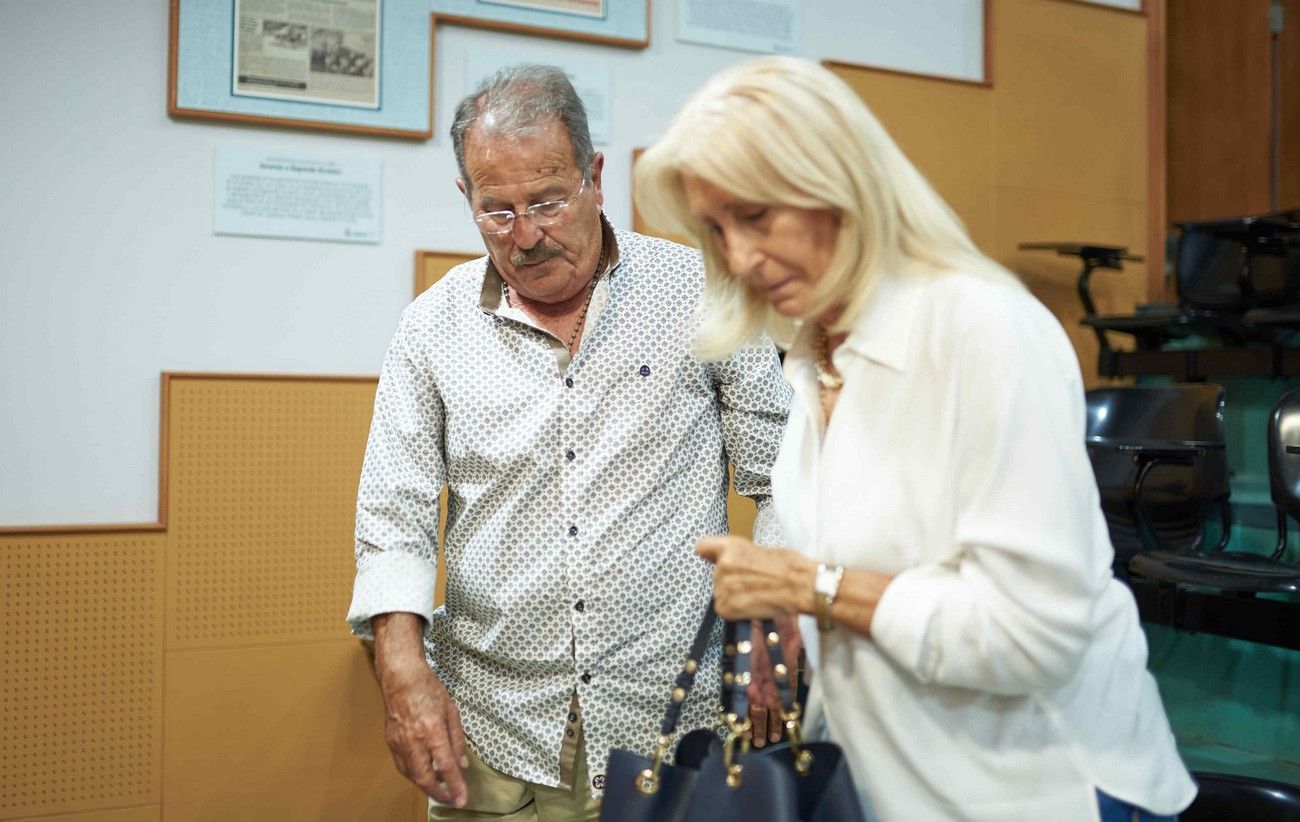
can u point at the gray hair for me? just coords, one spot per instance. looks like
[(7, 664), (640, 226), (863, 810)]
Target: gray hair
[(520, 99)]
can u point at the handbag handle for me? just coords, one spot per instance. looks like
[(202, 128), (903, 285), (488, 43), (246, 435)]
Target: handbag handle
[(739, 646), (647, 781), (686, 678), (736, 672), (736, 677), (735, 709)]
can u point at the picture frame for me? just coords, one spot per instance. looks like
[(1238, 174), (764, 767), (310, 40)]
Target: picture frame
[(961, 31), (623, 23), (431, 265), (1126, 6), (199, 77)]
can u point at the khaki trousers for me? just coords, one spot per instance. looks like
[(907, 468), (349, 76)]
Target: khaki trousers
[(493, 795)]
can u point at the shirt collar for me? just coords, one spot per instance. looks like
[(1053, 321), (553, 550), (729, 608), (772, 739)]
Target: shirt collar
[(491, 296), (883, 332)]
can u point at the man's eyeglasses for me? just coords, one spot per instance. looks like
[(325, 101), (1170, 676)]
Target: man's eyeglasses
[(542, 214)]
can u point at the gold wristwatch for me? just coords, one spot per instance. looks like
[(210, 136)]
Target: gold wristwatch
[(825, 586)]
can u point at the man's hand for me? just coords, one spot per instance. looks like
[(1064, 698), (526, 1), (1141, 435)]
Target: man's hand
[(764, 699), (421, 724)]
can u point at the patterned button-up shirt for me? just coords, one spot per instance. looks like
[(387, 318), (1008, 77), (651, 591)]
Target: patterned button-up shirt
[(578, 488)]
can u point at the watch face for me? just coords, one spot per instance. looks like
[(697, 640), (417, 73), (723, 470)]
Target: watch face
[(827, 580)]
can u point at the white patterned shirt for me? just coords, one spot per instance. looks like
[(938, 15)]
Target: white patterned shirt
[(577, 492)]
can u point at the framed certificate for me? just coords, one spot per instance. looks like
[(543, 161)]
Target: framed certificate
[(359, 66)]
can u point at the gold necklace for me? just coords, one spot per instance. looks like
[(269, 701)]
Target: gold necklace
[(828, 380)]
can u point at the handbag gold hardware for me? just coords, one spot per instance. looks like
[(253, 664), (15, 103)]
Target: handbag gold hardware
[(647, 782), (738, 732), (803, 758)]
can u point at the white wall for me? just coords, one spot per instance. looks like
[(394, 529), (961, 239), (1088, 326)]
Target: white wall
[(110, 272)]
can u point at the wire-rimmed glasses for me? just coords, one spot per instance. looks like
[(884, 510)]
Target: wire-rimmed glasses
[(541, 214)]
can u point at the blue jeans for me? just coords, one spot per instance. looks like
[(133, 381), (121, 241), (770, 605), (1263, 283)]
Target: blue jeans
[(1117, 810)]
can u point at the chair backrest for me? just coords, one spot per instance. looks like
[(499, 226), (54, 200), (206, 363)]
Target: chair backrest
[(1175, 497), (1224, 796), (1274, 274), (1284, 467), (1178, 411), (1238, 264), (1209, 269)]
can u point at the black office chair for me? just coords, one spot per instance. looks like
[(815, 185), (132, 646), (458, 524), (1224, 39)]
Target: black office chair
[(1158, 454), (1240, 571), (1225, 798), (1223, 269)]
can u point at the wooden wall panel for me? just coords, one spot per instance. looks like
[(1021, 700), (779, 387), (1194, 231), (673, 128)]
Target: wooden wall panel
[(1289, 114), (1071, 99), (431, 265), (1071, 139), (280, 733), (1218, 108), (80, 673), (263, 481), (946, 130), (1160, 285), (143, 813)]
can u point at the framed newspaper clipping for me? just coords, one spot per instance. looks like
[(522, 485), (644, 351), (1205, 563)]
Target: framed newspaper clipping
[(623, 23), (359, 66)]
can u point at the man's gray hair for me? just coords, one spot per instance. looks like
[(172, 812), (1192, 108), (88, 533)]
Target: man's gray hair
[(520, 99)]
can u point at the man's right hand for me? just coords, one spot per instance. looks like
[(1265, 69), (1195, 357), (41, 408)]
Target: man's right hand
[(421, 724)]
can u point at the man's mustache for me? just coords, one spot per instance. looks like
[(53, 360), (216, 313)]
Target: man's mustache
[(537, 254)]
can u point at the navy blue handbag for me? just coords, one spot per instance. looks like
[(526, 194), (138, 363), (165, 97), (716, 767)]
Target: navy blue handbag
[(716, 777)]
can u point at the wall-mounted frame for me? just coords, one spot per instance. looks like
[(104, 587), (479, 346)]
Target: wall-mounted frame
[(876, 36), (1131, 6), (431, 265), (624, 23), (200, 76)]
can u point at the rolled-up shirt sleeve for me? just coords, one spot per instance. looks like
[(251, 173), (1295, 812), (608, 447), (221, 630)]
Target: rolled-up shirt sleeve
[(754, 402), (1012, 612), (397, 502)]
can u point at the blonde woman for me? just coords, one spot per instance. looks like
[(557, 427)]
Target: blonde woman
[(976, 659)]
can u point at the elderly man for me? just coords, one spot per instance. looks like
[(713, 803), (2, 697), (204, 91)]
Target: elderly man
[(551, 387)]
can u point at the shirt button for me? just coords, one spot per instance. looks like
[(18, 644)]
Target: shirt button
[(586, 679), (569, 733), (573, 530), (579, 606), (573, 717), (568, 382), (569, 455), (645, 371)]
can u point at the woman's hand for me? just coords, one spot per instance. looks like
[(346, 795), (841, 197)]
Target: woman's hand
[(750, 582), (756, 583)]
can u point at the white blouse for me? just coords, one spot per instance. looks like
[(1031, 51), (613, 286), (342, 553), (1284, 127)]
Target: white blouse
[(1006, 673)]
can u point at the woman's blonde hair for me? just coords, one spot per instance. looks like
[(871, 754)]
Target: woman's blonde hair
[(785, 131)]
